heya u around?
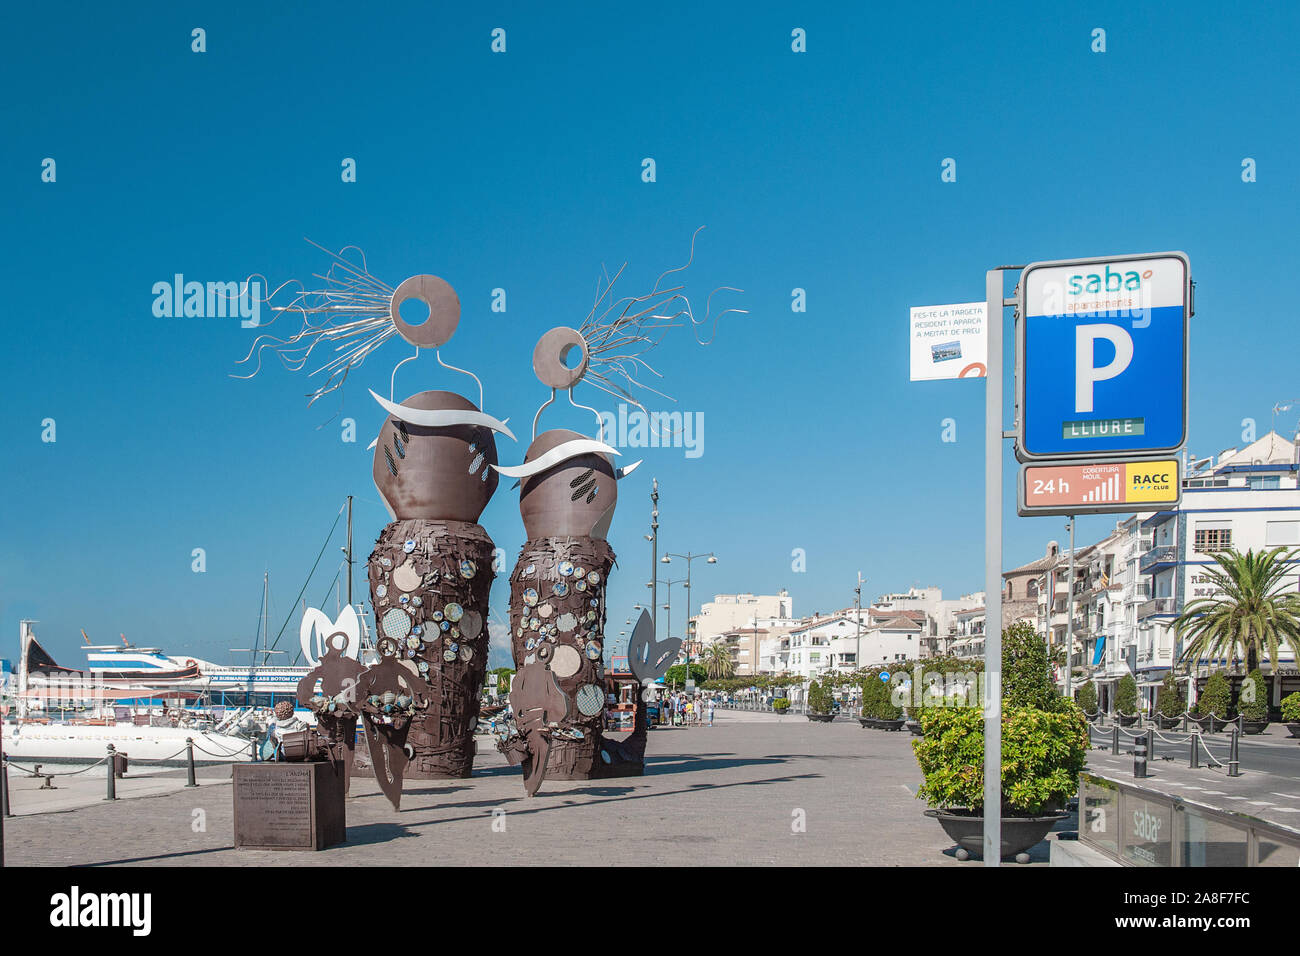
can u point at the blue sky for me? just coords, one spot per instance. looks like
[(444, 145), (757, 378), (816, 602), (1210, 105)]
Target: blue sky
[(522, 170)]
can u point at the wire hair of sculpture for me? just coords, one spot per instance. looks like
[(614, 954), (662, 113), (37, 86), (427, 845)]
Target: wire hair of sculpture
[(350, 309), (615, 344)]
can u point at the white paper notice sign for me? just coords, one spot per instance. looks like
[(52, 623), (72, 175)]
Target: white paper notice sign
[(949, 341)]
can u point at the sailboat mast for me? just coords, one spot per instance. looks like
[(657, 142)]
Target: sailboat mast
[(266, 597), (349, 554)]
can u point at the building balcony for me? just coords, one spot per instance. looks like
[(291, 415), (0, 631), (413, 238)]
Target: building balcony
[(1157, 607), (1164, 556)]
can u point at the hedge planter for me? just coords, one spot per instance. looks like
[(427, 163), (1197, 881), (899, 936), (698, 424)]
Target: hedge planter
[(821, 718), (1202, 722), (1220, 723), (1253, 726), (867, 722), (1168, 723), (1294, 729), (915, 727), (1127, 720), (891, 724), (966, 829)]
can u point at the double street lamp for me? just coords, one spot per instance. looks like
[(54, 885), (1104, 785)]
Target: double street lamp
[(688, 557)]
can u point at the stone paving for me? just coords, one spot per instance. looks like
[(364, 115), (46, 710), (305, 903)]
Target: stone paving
[(732, 794)]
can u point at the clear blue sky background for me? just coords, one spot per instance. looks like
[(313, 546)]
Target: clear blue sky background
[(818, 170)]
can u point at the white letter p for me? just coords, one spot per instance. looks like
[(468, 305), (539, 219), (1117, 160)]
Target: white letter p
[(1085, 375)]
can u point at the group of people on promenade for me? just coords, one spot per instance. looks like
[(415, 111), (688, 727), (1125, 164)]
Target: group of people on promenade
[(685, 710)]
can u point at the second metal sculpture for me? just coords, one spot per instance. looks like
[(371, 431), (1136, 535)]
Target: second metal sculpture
[(567, 493)]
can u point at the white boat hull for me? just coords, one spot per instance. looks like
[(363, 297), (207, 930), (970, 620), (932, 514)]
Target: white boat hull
[(76, 742)]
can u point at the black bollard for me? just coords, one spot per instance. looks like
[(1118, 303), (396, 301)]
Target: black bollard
[(1234, 765), (1196, 751), (1140, 756), (111, 776), (189, 760), (1114, 740), (1151, 744)]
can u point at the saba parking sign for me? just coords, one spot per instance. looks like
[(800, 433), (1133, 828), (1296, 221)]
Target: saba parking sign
[(1101, 357)]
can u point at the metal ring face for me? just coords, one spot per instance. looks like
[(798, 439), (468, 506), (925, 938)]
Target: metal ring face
[(444, 311), (550, 353)]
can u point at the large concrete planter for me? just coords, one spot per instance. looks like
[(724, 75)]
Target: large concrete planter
[(1127, 720), (891, 724), (966, 829), (1294, 729), (867, 722), (821, 718), (1253, 726), (915, 727)]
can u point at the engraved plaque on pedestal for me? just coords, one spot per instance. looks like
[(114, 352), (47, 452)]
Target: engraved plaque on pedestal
[(289, 806)]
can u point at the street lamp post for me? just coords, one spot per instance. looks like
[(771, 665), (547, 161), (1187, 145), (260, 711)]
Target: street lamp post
[(654, 557), (668, 606), (857, 654), (688, 557), (1069, 618)]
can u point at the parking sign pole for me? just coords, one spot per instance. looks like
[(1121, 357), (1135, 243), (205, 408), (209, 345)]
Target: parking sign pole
[(993, 572)]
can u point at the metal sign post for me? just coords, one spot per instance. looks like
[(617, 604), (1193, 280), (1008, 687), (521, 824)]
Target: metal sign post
[(993, 438)]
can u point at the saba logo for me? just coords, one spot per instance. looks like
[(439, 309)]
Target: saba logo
[(1108, 281)]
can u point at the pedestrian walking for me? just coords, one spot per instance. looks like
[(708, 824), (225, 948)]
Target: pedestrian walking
[(710, 711)]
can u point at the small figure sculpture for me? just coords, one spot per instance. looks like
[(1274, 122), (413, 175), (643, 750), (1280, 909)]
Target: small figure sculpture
[(338, 671), (390, 692)]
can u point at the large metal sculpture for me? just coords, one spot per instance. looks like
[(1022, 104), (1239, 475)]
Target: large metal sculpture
[(431, 570), (567, 494)]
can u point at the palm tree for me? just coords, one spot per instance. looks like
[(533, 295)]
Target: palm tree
[(1250, 612), (717, 660)]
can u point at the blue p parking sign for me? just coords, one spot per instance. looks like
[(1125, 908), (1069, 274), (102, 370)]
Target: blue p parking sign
[(1101, 357)]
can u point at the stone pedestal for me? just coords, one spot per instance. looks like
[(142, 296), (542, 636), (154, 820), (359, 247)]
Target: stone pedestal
[(289, 806)]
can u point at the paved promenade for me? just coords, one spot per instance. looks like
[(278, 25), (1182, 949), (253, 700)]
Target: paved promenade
[(755, 789)]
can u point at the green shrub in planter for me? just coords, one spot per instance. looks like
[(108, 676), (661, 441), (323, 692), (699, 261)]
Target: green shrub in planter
[(1170, 702), (820, 698), (1087, 698), (1252, 703), (1291, 708), (1217, 697), (1126, 695), (876, 698), (1026, 674), (1042, 755), (780, 705)]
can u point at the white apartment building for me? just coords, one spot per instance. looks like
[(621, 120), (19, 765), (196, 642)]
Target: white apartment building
[(1248, 500), (887, 639), (730, 612), (966, 634), (808, 646)]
